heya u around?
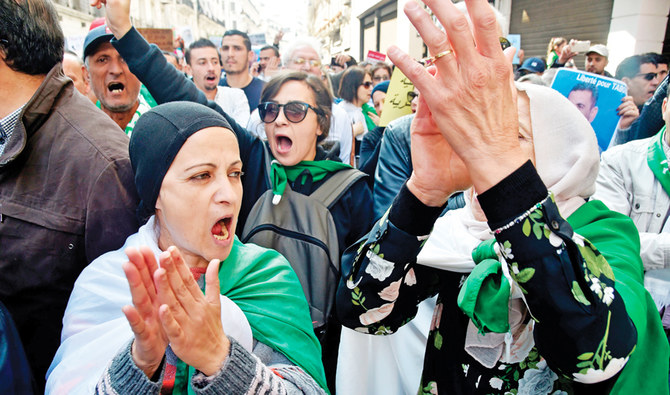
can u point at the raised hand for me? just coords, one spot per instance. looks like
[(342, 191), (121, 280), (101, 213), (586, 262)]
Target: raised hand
[(567, 53), (255, 69), (437, 170), (117, 15), (374, 117), (272, 68), (191, 320), (472, 97), (628, 112), (150, 339)]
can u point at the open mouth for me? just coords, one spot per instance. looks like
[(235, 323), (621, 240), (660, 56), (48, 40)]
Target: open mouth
[(221, 229), (115, 87), (284, 144), (210, 78)]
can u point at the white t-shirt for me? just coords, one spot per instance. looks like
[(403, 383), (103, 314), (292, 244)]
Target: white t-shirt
[(234, 102), (355, 115)]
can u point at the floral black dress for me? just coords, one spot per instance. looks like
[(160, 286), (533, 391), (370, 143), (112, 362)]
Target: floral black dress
[(582, 336)]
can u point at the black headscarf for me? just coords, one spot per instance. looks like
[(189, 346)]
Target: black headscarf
[(157, 138)]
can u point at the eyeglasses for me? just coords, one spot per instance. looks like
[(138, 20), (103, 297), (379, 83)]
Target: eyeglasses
[(647, 76), (380, 78), (367, 84), (504, 43), (411, 95), (294, 111), (311, 62)]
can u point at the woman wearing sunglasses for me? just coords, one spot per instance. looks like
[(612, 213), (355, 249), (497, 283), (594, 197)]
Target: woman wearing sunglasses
[(296, 110), (355, 91)]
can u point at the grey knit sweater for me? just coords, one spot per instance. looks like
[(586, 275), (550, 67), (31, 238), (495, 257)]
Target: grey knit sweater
[(265, 371)]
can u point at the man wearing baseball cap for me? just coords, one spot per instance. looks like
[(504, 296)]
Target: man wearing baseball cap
[(117, 89), (597, 58), (532, 66)]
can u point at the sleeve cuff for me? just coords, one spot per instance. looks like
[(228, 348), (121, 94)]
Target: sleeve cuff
[(513, 195), (125, 375), (234, 377), (410, 215)]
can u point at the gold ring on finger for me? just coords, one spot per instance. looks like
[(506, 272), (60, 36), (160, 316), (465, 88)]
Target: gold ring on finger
[(434, 58)]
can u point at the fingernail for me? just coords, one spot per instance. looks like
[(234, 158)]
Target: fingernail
[(411, 5)]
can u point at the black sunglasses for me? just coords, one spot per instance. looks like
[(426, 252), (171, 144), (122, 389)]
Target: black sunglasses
[(647, 76), (367, 84), (411, 95), (294, 111)]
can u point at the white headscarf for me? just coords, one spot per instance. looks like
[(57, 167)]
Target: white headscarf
[(566, 158)]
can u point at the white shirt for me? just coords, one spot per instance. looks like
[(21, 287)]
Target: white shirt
[(355, 115), (234, 102), (626, 184)]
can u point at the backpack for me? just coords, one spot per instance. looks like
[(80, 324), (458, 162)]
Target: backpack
[(301, 228)]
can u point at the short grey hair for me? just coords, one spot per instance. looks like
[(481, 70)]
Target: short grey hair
[(306, 41)]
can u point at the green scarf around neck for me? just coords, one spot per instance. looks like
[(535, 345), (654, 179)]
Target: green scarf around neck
[(318, 169), (617, 238), (262, 284), (657, 161)]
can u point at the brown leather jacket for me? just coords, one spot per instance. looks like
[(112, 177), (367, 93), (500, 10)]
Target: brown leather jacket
[(66, 196)]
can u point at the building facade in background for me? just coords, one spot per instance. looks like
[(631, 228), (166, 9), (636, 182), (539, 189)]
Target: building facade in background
[(190, 19), (627, 27)]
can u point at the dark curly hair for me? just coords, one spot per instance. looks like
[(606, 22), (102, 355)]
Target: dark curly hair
[(31, 40), (322, 97)]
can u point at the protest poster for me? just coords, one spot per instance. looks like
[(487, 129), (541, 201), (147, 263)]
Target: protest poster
[(397, 102), (75, 44), (257, 39), (374, 57), (596, 97), (161, 37), (515, 40)]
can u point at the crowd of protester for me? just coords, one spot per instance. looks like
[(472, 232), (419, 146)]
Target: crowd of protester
[(212, 220)]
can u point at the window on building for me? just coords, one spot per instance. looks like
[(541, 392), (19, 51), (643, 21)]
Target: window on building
[(378, 28)]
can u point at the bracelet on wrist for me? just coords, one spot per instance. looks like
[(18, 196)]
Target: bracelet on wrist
[(523, 216)]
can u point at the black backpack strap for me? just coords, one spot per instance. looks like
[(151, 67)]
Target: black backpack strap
[(333, 188), (268, 164)]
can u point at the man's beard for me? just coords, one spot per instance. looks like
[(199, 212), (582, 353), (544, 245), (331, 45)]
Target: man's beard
[(235, 72), (119, 107)]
